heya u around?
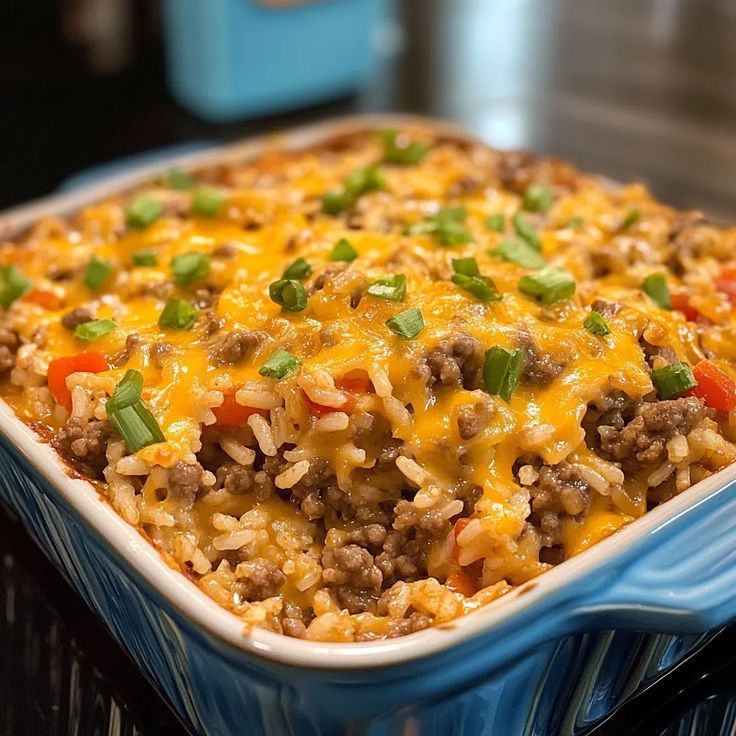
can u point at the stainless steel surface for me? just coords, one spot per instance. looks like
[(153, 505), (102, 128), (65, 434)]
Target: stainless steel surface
[(636, 89)]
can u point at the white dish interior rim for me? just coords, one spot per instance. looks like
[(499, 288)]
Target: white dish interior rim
[(182, 593)]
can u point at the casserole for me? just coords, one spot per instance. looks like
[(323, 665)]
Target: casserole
[(193, 649)]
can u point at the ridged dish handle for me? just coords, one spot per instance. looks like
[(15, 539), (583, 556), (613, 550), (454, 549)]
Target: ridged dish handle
[(680, 578)]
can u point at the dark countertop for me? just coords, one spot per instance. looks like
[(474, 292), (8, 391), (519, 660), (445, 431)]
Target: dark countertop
[(633, 89)]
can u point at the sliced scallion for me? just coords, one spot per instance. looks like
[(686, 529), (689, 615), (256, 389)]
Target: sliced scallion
[(127, 392), (502, 370), (131, 418), (359, 182), (94, 329), (391, 287), (289, 294), (481, 287), (673, 380), (494, 223), (447, 226), (399, 149), (596, 324), (549, 285), (466, 266), (520, 252), (538, 198), (631, 218), (207, 202), (178, 179), (178, 314), (13, 284), (526, 231), (279, 364), (96, 273), (143, 210), (145, 258), (343, 251), (298, 270), (189, 267), (656, 287), (408, 323)]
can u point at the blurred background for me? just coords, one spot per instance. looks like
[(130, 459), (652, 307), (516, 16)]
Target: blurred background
[(635, 89)]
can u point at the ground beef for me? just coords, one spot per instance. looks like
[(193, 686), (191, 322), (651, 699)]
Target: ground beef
[(643, 440), (540, 368), (415, 622), (263, 579), (238, 479), (651, 352), (205, 297), (351, 566), (465, 185), (84, 445), (72, 320), (558, 492), (158, 352), (294, 627), (225, 251), (454, 361), (403, 556), (234, 347), (606, 309), (132, 342), (158, 289), (356, 296), (184, 480), (8, 347), (472, 419), (211, 323), (319, 282), (517, 170), (407, 515)]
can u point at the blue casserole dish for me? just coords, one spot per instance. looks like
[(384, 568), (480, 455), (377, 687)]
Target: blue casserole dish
[(552, 657)]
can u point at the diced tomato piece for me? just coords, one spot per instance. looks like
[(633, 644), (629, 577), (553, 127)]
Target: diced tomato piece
[(715, 387), (726, 282), (90, 361), (681, 303), (460, 582), (460, 524), (232, 414), (354, 383), (44, 298)]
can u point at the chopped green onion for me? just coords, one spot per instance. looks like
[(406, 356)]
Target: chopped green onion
[(519, 252), (190, 267), (495, 223), (574, 223), (359, 182), (278, 364), (143, 210), (207, 202), (656, 287), (525, 231), (178, 314), (673, 380), (502, 370), (343, 251), (446, 226), (399, 149), (288, 294), (596, 325), (178, 179), (96, 272), (145, 258), (13, 284), (479, 286), (95, 329), (408, 323), (127, 392), (549, 285), (391, 287), (466, 266), (631, 218), (538, 198), (130, 416), (298, 270)]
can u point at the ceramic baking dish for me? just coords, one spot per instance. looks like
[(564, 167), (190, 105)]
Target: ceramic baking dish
[(551, 657)]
